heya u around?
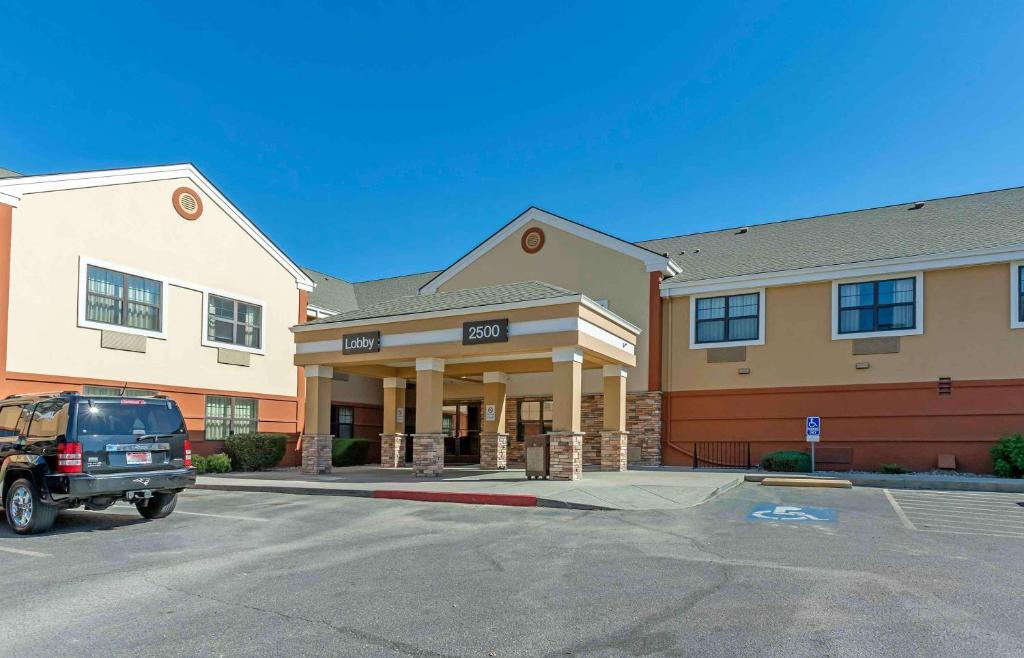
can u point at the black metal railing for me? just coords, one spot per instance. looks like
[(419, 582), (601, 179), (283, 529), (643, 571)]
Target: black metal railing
[(721, 454)]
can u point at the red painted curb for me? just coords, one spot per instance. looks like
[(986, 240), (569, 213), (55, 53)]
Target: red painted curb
[(510, 500)]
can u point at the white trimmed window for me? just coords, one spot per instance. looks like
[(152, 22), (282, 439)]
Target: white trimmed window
[(1017, 295), (731, 320), (122, 299), (885, 306), (231, 322), (227, 416)]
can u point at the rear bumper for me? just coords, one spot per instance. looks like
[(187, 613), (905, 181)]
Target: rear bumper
[(85, 486)]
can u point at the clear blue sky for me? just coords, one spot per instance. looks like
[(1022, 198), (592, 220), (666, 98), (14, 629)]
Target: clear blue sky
[(373, 141)]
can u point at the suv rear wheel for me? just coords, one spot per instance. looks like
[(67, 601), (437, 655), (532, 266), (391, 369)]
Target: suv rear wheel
[(158, 506), (26, 513)]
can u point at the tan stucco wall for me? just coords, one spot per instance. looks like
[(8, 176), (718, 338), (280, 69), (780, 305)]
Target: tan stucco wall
[(967, 335), (135, 226), (358, 389), (578, 265)]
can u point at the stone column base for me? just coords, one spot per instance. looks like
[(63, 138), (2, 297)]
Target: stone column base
[(613, 450), (566, 455), (493, 451), (427, 455), (392, 450), (316, 454)]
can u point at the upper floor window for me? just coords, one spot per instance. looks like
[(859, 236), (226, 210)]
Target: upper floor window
[(878, 306), (727, 319), (235, 323), (121, 299), (1020, 294)]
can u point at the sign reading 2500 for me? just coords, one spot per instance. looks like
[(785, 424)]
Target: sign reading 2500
[(485, 331)]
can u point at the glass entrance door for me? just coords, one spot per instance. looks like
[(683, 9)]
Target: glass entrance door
[(460, 422)]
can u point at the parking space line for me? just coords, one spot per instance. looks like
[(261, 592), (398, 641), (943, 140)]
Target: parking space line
[(22, 551), (224, 516), (899, 511)]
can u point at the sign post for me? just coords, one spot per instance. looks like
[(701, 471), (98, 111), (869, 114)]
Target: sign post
[(813, 434)]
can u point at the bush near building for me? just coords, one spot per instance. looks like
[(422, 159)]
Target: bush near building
[(255, 452), (787, 461), (893, 469), (350, 452), (1008, 456)]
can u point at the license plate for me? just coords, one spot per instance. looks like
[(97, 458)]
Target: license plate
[(138, 458)]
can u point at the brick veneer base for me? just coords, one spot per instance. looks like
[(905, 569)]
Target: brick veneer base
[(316, 454), (643, 423), (427, 455), (493, 450), (392, 450), (613, 451), (566, 457)]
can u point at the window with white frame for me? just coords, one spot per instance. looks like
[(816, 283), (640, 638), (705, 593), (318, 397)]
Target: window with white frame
[(1019, 272), (727, 319), (877, 306), (121, 299), (226, 416), (232, 322), (117, 391)]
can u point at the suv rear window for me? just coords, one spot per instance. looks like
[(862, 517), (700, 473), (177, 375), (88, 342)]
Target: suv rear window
[(129, 418)]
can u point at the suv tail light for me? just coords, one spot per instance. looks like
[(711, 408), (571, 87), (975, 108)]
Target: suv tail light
[(188, 453), (69, 457)]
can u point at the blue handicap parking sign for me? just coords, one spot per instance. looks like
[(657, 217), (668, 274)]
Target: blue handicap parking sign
[(791, 513), (813, 428)]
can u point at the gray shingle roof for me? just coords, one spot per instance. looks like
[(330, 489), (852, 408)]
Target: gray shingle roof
[(331, 292), (974, 221), (524, 291), (340, 295), (7, 173), (381, 290)]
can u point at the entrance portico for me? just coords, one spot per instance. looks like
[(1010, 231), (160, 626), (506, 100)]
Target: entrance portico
[(476, 336)]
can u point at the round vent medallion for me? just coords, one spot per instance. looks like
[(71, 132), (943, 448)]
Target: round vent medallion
[(187, 203), (533, 240)]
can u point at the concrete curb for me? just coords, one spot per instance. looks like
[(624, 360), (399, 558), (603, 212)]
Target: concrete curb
[(939, 483), (464, 498)]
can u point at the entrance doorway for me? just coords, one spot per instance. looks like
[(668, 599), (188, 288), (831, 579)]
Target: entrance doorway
[(460, 422)]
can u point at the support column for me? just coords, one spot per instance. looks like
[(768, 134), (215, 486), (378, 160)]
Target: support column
[(316, 442), (493, 437), (614, 436), (428, 441), (566, 439), (392, 440)]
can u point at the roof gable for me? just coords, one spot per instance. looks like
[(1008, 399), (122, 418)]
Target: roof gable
[(15, 188), (653, 261)]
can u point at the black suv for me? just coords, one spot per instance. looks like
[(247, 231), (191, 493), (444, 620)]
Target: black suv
[(63, 450)]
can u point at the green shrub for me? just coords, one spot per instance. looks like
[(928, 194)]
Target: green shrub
[(1008, 456), (787, 461), (219, 463), (349, 452), (892, 469), (255, 452), (199, 463)]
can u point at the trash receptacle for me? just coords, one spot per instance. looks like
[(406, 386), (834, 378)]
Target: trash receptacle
[(537, 456)]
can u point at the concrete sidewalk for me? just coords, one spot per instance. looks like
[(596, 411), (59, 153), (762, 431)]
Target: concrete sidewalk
[(632, 490)]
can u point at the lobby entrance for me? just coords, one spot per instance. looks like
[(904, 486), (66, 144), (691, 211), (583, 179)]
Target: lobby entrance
[(460, 422)]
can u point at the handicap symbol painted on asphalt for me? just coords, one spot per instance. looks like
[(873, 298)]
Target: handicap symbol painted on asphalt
[(772, 512)]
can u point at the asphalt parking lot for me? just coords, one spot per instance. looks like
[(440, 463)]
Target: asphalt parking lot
[(234, 574)]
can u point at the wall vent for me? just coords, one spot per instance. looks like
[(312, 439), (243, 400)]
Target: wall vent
[(945, 386)]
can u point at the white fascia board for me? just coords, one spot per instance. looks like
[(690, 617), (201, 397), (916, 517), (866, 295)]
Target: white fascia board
[(320, 311), (12, 200), (849, 270), (79, 180), (654, 262), (454, 335), (511, 306)]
